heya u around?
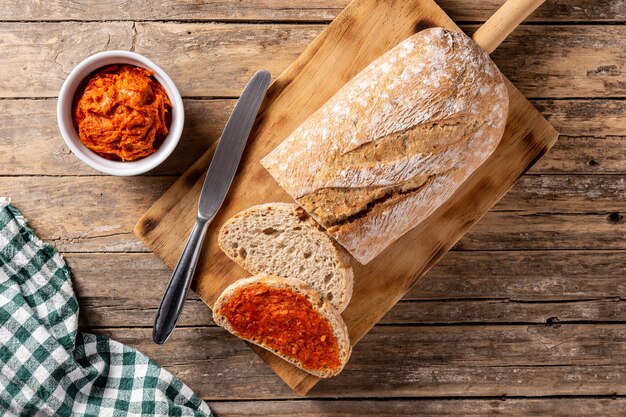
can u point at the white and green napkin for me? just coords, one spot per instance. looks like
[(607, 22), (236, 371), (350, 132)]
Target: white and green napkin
[(47, 367)]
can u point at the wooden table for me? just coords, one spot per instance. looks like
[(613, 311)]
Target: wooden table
[(526, 315)]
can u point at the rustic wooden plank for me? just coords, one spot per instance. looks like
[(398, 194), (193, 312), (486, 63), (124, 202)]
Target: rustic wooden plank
[(593, 135), (217, 59), (85, 213), (107, 286), (284, 10), (37, 57), (509, 275), (565, 194), (407, 361), (519, 231), (393, 379), (464, 287), (585, 117), (541, 61), (584, 154), (554, 62), (505, 311), (203, 60), (513, 275), (317, 10), (223, 56), (95, 214), (118, 310), (524, 276), (555, 407)]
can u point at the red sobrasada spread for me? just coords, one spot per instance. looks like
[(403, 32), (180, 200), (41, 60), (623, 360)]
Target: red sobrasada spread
[(123, 113), (284, 321)]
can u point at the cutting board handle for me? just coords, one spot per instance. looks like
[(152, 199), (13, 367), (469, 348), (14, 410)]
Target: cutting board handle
[(495, 30)]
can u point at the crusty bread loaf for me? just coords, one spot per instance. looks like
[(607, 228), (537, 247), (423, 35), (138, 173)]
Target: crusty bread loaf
[(281, 239), (396, 141), (327, 311)]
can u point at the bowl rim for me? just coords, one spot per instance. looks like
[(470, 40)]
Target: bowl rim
[(70, 135)]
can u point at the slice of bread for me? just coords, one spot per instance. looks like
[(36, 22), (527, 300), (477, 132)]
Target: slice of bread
[(318, 305), (281, 239)]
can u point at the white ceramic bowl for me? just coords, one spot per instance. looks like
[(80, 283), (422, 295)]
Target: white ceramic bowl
[(66, 125)]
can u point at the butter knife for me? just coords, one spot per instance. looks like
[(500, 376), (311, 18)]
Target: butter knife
[(216, 184)]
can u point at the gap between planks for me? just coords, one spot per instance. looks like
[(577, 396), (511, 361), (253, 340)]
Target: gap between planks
[(577, 249), (403, 325), (210, 98), (277, 22), (281, 10)]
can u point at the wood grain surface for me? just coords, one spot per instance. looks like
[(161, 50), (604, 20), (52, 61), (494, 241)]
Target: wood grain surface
[(590, 130), (542, 61), (285, 10), (362, 32), (540, 212), (558, 407), (485, 281), (555, 289), (486, 360)]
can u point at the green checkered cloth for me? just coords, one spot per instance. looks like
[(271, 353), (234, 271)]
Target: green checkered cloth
[(47, 368)]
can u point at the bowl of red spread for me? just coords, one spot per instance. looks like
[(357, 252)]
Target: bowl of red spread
[(120, 113)]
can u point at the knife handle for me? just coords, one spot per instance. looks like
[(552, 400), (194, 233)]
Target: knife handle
[(178, 287)]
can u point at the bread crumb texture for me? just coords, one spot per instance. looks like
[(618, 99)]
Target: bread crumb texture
[(281, 239)]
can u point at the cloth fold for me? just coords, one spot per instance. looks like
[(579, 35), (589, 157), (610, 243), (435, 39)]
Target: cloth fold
[(47, 367)]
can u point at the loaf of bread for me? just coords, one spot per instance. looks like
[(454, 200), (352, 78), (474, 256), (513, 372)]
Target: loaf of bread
[(289, 318), (281, 239), (396, 141)]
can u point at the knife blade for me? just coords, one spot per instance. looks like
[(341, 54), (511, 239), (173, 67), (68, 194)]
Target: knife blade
[(218, 180), (228, 153)]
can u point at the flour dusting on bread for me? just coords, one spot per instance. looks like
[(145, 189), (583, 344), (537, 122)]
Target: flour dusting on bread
[(396, 141)]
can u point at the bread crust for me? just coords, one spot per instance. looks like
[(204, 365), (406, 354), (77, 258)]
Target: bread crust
[(396, 141), (327, 311), (347, 274)]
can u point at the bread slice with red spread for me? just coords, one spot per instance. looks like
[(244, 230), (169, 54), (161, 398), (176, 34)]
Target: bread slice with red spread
[(281, 239), (289, 318)]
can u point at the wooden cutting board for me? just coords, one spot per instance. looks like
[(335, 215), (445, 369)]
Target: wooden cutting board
[(365, 30)]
